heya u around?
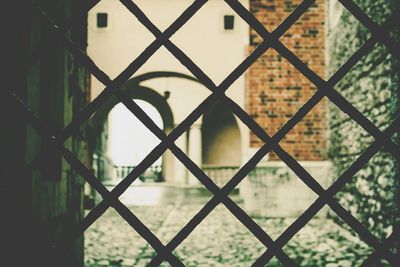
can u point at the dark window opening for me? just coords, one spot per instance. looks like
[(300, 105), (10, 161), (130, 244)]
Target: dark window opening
[(229, 22), (102, 19)]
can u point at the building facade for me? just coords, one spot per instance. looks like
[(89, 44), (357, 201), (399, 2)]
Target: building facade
[(218, 40)]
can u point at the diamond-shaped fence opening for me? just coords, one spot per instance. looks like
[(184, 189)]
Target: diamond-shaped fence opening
[(378, 61), (208, 46), (102, 240), (307, 35), (108, 41), (54, 137), (236, 243), (330, 246), (370, 184)]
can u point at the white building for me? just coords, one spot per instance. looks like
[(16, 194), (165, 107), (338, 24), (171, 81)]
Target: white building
[(116, 38), (218, 142)]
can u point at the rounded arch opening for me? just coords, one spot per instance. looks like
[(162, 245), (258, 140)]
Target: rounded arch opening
[(98, 123), (129, 141), (111, 158), (221, 140), (137, 92)]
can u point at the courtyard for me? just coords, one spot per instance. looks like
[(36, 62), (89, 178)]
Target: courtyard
[(220, 240)]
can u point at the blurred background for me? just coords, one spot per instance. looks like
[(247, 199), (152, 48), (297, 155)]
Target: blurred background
[(360, 100)]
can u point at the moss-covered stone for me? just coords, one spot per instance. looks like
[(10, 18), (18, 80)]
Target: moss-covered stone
[(372, 87)]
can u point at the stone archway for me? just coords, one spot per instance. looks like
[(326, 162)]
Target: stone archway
[(171, 169), (136, 91), (99, 125), (221, 143)]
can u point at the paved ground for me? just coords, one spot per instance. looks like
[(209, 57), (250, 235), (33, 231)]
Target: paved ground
[(220, 240)]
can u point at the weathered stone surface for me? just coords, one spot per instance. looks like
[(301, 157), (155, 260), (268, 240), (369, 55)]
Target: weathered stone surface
[(372, 87), (219, 240)]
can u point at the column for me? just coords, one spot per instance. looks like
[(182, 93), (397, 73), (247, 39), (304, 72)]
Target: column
[(180, 171), (168, 163), (194, 151)]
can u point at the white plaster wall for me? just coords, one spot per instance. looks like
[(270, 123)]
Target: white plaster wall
[(333, 13), (280, 192), (216, 51), (335, 10)]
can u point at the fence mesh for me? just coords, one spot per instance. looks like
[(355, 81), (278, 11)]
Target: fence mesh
[(220, 195)]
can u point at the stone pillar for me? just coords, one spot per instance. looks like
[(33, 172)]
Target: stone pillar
[(194, 151), (168, 162), (180, 172)]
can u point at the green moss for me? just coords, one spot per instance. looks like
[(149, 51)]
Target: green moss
[(372, 86)]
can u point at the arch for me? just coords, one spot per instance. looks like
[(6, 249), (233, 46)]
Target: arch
[(163, 74), (221, 138), (135, 91), (133, 88)]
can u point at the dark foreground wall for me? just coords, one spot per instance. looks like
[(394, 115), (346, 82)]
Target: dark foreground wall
[(40, 205), (372, 87)]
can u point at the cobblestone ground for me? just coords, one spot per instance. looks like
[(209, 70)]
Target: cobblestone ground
[(220, 240)]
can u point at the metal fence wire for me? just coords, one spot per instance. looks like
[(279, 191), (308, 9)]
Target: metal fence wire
[(326, 88)]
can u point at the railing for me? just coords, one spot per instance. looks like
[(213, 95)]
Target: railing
[(152, 173), (220, 174)]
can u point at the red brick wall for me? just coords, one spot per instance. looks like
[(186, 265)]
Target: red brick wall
[(276, 90)]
